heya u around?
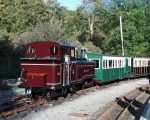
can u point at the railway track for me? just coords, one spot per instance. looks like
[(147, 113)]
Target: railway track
[(22, 105), (129, 107), (18, 105)]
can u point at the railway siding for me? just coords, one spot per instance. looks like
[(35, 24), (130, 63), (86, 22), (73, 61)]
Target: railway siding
[(85, 106), (82, 105), (128, 107)]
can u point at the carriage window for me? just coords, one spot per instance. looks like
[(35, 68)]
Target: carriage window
[(97, 63), (148, 63), (113, 63), (145, 63), (64, 51), (106, 64), (142, 64), (72, 53), (119, 63), (54, 50), (116, 64), (135, 63), (110, 63)]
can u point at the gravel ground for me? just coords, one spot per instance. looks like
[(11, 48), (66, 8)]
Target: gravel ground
[(85, 106)]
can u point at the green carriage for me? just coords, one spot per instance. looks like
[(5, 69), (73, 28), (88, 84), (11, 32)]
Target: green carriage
[(110, 68)]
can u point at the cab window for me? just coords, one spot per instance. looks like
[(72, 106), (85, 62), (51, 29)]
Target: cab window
[(54, 50), (72, 53), (97, 63)]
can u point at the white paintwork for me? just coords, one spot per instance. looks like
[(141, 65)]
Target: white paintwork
[(140, 62), (129, 61), (119, 62)]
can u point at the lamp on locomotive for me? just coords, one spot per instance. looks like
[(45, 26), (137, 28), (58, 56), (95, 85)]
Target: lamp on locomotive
[(83, 53)]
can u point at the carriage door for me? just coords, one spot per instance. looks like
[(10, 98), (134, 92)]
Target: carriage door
[(66, 72)]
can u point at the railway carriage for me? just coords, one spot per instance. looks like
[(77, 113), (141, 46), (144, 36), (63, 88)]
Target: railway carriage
[(141, 66), (49, 66), (53, 67), (110, 68)]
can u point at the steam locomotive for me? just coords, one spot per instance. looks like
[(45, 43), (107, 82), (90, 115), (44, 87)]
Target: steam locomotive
[(48, 68)]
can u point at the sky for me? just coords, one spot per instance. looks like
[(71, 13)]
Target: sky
[(70, 4), (73, 4)]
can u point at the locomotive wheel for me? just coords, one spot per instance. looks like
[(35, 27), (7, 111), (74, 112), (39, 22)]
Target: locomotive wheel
[(72, 90), (48, 95), (54, 94), (85, 85), (64, 91), (33, 93)]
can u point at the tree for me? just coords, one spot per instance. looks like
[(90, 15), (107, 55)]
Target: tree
[(52, 31), (134, 25), (20, 15), (7, 57)]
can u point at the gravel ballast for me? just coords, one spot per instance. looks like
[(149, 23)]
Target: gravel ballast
[(85, 106)]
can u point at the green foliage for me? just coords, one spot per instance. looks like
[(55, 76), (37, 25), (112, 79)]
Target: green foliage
[(32, 20), (7, 57), (19, 15), (45, 31), (92, 25), (91, 47), (135, 28)]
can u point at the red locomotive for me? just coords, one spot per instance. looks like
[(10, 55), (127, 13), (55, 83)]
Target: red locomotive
[(50, 67)]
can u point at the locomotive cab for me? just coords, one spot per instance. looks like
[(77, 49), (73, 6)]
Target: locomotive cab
[(43, 61), (43, 50), (51, 66), (68, 51)]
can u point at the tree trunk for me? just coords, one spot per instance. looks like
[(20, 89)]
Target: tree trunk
[(91, 26)]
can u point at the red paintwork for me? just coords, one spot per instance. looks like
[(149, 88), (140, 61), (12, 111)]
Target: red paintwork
[(43, 50), (48, 73), (83, 71), (42, 74)]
